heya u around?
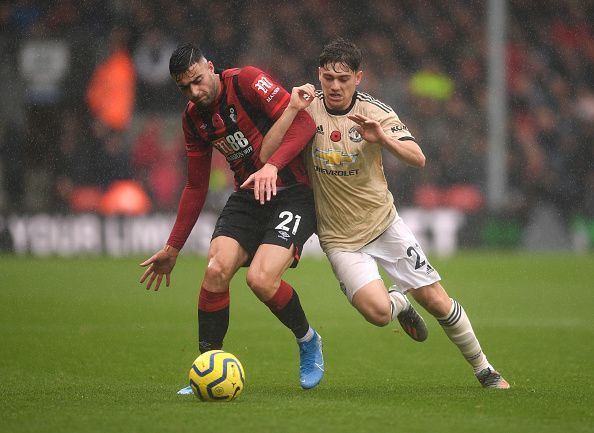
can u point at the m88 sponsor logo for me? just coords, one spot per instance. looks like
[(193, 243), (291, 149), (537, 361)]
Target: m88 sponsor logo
[(233, 146)]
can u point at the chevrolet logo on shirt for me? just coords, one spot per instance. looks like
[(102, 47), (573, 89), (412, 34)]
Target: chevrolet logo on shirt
[(335, 157)]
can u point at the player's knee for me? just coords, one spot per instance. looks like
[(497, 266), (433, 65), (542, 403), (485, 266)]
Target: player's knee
[(374, 304), (379, 319), (377, 315), (261, 283), (217, 274)]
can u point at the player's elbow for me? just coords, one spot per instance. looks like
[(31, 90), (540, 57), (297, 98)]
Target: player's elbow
[(421, 160), (416, 160)]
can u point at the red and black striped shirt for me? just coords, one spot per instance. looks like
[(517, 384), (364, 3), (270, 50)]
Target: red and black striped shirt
[(248, 104)]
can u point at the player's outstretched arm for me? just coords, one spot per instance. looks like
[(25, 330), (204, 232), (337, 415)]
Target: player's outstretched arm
[(301, 97), (161, 263), (371, 131)]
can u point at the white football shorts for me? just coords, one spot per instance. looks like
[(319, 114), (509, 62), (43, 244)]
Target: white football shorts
[(396, 250)]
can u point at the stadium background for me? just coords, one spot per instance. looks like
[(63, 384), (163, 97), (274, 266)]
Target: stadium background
[(67, 137), (86, 349)]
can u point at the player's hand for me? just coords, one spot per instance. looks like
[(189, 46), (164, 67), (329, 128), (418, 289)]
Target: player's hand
[(302, 96), (369, 129), (264, 183), (161, 263)]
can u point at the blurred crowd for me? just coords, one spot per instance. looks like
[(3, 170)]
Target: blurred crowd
[(86, 99)]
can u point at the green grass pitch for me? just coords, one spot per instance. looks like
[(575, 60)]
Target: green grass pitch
[(85, 348)]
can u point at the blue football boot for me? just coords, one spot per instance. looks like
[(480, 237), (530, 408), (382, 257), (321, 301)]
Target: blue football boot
[(185, 391), (311, 362)]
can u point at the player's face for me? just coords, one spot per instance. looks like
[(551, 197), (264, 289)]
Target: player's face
[(338, 84), (199, 83)]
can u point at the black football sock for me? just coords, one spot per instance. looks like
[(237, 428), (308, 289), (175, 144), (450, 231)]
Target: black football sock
[(213, 319), (285, 305), (212, 328)]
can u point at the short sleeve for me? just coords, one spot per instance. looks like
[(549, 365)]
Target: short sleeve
[(393, 127), (263, 91)]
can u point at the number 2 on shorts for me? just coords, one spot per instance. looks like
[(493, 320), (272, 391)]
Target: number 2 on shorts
[(419, 262)]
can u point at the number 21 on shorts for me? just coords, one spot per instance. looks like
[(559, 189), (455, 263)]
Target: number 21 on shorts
[(287, 219)]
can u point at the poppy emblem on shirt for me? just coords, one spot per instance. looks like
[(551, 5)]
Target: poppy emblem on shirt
[(335, 136), (217, 121)]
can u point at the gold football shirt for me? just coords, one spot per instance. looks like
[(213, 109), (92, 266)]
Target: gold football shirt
[(353, 203)]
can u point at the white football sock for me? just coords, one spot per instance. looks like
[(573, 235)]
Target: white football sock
[(458, 328), (398, 301), (308, 336)]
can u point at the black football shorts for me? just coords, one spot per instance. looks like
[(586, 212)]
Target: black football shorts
[(288, 219)]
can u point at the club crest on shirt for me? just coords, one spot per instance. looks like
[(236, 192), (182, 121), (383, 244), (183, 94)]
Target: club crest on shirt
[(354, 134), (232, 113)]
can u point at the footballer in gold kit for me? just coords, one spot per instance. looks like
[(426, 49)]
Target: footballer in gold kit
[(358, 224)]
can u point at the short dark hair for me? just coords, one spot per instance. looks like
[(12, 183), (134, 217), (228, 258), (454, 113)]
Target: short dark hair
[(183, 57), (341, 51)]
